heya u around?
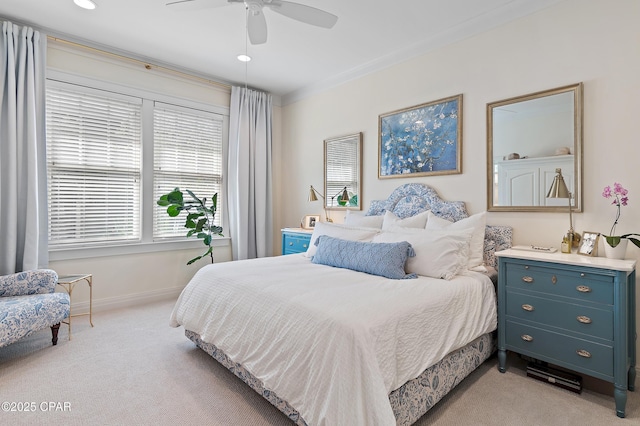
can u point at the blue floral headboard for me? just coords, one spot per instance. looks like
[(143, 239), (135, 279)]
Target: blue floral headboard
[(413, 198)]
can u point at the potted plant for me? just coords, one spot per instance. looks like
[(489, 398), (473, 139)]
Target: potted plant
[(616, 246), (199, 217)]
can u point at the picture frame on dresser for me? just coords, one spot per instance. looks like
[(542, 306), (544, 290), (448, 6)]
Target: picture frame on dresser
[(589, 243), (309, 221)]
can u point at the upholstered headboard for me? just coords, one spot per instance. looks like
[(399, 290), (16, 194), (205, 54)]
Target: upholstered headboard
[(413, 198)]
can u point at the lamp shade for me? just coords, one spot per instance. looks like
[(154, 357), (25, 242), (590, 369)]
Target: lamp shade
[(345, 195), (558, 187), (312, 194)]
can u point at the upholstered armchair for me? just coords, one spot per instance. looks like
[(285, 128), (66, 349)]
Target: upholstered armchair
[(28, 303)]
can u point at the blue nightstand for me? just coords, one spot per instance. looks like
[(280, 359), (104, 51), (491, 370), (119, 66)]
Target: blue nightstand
[(295, 240), (573, 311)]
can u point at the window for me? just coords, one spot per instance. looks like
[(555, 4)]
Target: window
[(109, 158), (94, 151), (188, 155)]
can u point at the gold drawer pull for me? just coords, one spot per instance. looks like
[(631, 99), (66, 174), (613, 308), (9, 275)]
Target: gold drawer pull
[(554, 279), (304, 246), (583, 289), (527, 338), (527, 279), (527, 307), (583, 353), (583, 319)]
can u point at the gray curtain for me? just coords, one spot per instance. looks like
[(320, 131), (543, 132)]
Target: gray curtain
[(249, 185), (23, 168)]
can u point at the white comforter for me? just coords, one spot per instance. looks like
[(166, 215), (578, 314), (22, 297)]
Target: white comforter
[(333, 342)]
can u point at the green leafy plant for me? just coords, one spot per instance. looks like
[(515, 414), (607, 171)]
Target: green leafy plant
[(200, 217), (619, 195)]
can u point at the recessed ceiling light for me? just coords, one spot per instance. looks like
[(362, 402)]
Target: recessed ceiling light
[(244, 58), (85, 4)]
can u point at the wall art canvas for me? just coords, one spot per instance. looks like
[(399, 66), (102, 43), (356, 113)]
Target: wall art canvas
[(421, 140)]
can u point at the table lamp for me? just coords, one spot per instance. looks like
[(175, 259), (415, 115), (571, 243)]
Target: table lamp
[(559, 190)]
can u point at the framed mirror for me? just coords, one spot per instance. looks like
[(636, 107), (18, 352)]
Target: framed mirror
[(343, 172), (528, 138)]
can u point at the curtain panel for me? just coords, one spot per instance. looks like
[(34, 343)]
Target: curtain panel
[(249, 174), (23, 170)]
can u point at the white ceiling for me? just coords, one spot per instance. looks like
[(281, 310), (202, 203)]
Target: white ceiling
[(297, 59)]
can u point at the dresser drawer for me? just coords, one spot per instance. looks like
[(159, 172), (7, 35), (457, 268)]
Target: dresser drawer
[(295, 243), (570, 316), (584, 286), (575, 354)]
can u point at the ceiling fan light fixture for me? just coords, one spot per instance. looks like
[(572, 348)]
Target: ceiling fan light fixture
[(244, 58), (85, 4)]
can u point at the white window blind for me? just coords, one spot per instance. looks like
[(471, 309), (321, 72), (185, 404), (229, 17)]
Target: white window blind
[(342, 170), (94, 143), (187, 155)]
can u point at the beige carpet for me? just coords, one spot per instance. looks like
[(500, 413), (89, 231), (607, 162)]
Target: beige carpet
[(133, 369)]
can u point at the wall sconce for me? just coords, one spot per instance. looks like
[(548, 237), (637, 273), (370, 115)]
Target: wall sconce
[(559, 190)]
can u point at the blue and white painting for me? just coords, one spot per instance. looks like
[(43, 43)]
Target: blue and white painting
[(422, 140)]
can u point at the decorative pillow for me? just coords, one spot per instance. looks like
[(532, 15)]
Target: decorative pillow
[(392, 221), (339, 231), (383, 259), (439, 253), (358, 219), (477, 222)]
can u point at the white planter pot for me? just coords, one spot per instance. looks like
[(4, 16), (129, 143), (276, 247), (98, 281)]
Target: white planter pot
[(617, 252)]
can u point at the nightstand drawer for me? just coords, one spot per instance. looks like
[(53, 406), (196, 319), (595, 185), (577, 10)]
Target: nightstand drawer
[(576, 354), (295, 243), (579, 285), (574, 317)]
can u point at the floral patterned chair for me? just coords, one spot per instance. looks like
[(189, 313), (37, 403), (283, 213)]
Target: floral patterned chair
[(28, 303)]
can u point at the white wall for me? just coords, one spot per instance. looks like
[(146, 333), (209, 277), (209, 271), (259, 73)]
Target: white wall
[(595, 42)]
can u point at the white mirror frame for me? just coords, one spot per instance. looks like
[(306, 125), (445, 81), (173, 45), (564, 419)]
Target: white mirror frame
[(546, 166)]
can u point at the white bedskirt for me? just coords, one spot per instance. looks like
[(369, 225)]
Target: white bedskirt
[(333, 342)]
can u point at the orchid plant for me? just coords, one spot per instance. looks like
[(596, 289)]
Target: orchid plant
[(620, 198)]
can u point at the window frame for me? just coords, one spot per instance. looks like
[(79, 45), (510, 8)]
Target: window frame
[(147, 244)]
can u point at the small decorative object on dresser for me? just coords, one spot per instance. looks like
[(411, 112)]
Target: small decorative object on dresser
[(574, 312), (615, 247), (589, 244), (309, 221)]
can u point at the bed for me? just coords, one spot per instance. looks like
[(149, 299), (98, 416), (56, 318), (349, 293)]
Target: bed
[(328, 344)]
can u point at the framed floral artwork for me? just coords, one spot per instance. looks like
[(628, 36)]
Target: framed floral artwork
[(422, 140)]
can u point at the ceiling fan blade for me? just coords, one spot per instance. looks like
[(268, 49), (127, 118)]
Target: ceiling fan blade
[(195, 4), (302, 13), (257, 27)]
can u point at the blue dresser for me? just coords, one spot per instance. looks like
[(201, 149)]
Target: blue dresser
[(573, 311), (295, 240)]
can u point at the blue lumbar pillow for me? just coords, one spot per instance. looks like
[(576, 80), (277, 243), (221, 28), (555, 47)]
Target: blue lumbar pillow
[(383, 259)]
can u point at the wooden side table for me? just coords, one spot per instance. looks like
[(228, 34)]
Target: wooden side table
[(68, 282)]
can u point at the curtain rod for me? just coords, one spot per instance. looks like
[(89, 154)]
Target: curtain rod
[(143, 63)]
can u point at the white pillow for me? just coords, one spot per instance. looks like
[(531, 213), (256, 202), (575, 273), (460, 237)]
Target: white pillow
[(392, 221), (439, 253), (358, 219), (339, 231), (478, 223)]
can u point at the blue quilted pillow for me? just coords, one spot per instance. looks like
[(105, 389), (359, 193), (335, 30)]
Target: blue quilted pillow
[(384, 259)]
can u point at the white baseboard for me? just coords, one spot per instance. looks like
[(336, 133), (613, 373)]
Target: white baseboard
[(127, 301)]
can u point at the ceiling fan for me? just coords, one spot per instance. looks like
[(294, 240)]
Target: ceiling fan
[(256, 23)]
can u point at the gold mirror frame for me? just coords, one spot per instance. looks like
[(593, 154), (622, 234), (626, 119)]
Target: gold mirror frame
[(343, 169), (545, 164)]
